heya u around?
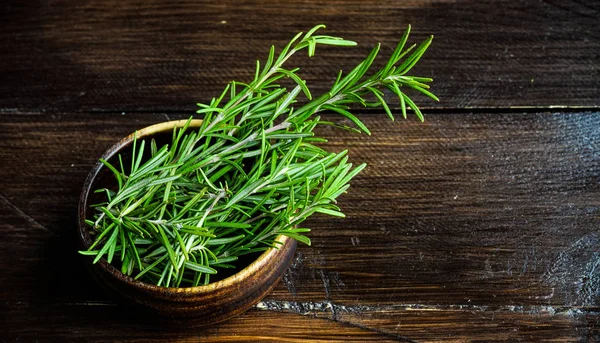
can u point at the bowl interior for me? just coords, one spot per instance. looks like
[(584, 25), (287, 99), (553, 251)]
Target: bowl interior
[(102, 177)]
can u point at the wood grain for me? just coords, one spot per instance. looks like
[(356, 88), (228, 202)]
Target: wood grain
[(479, 225), (468, 227), (79, 322), (167, 55)]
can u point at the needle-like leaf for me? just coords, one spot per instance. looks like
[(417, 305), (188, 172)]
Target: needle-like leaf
[(250, 172)]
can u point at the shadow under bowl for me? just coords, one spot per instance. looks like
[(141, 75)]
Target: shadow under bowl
[(213, 303)]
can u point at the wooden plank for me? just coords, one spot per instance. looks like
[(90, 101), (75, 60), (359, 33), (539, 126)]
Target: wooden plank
[(168, 55), (124, 325), (107, 322), (476, 227)]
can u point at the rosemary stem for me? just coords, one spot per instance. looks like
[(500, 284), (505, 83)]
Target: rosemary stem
[(246, 175)]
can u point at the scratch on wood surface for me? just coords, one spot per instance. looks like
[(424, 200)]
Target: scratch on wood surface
[(576, 271), (290, 278), (78, 303), (325, 279), (93, 303), (25, 215), (317, 308), (326, 284), (307, 308)]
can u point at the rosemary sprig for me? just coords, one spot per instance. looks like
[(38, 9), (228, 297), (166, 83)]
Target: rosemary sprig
[(252, 171)]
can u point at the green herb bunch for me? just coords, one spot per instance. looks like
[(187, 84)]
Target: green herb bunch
[(252, 171)]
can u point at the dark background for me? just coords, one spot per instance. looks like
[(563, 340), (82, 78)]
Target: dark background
[(481, 224)]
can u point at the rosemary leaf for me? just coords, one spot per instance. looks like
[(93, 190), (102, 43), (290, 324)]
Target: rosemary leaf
[(250, 172)]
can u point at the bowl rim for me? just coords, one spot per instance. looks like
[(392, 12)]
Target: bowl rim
[(85, 239)]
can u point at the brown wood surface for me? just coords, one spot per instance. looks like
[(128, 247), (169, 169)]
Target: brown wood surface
[(167, 55), (480, 225)]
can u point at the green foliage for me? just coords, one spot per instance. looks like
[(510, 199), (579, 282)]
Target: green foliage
[(252, 170)]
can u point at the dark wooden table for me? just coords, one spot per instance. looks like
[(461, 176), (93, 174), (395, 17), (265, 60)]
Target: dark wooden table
[(481, 224)]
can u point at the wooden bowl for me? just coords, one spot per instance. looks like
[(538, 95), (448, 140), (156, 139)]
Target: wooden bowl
[(212, 303)]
